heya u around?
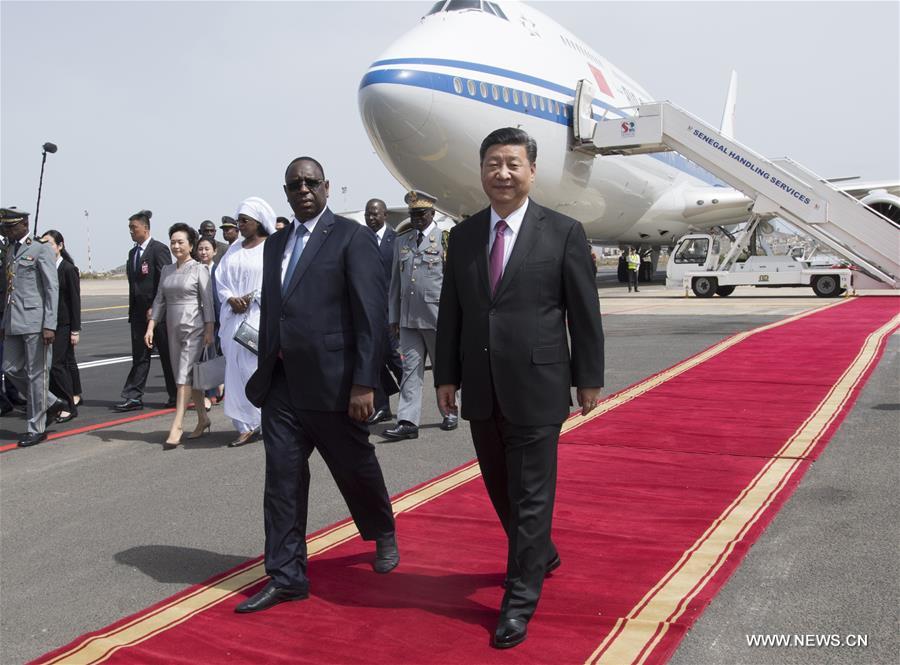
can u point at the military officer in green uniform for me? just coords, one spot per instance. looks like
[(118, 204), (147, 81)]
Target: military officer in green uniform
[(29, 321), (413, 307)]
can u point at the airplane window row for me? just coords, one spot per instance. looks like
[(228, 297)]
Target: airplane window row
[(495, 92), (459, 5)]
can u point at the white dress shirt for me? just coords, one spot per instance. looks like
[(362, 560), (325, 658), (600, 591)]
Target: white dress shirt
[(513, 225), (380, 234), (292, 240), (143, 246)]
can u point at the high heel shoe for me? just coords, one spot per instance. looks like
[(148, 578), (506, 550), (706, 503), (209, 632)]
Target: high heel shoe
[(172, 445), (244, 438), (202, 428)]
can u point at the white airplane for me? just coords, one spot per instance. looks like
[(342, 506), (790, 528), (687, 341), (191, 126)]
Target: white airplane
[(471, 66)]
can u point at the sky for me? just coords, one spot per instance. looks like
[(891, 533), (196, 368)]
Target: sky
[(186, 108)]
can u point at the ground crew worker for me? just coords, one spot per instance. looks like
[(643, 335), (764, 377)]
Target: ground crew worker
[(418, 273), (29, 322), (634, 264)]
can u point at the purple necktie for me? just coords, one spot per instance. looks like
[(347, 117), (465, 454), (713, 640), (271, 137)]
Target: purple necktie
[(497, 250)]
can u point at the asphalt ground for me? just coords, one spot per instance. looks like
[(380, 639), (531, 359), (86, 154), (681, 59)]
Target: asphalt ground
[(102, 524)]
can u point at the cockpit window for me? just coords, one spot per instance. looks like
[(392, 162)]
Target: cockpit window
[(457, 5), (496, 9), (460, 5)]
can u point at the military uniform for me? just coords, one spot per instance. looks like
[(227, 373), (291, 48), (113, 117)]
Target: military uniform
[(415, 294), (32, 294)]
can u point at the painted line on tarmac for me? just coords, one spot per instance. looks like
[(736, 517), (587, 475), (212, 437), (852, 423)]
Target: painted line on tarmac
[(90, 428), (118, 318), (108, 361), (103, 309)]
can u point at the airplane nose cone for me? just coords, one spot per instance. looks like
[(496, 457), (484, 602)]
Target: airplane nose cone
[(395, 104)]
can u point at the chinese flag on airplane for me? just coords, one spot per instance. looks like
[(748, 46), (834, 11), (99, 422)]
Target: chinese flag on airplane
[(601, 80)]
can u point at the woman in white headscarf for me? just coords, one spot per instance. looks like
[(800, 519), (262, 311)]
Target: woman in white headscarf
[(239, 284)]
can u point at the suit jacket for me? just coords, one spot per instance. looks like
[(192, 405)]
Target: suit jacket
[(513, 344), (143, 283), (33, 289), (221, 248), (386, 249), (416, 280), (69, 311), (329, 327)]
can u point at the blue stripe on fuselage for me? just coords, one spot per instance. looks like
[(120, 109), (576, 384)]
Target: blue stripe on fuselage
[(444, 83)]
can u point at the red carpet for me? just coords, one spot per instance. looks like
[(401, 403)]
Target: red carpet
[(659, 498)]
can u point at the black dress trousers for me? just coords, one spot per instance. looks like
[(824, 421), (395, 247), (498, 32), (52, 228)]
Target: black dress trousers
[(518, 465), (291, 435), (140, 360)]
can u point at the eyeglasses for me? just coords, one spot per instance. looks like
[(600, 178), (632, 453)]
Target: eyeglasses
[(312, 184)]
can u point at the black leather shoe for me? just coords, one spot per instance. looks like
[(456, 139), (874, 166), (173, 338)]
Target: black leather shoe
[(64, 419), (403, 430), (387, 556), (6, 409), (509, 633), (552, 565), (32, 439), (129, 405), (170, 404), (270, 596), (380, 416), (449, 423), (52, 414)]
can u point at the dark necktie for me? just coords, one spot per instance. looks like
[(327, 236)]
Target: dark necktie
[(497, 250), (17, 246), (419, 239), (137, 258)]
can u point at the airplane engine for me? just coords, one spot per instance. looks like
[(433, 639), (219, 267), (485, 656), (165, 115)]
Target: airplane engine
[(885, 203)]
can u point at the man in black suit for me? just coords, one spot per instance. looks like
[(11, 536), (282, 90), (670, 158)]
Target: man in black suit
[(517, 276), (323, 316), (144, 267), (208, 230), (392, 366)]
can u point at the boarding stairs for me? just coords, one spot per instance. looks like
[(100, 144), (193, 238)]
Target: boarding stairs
[(778, 187)]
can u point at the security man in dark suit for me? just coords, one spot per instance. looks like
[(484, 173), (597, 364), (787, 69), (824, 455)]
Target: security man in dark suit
[(518, 278), (144, 267), (392, 367), (208, 230), (323, 316)]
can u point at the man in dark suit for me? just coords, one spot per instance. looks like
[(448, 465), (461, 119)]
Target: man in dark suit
[(517, 276), (323, 316), (144, 267), (208, 230), (392, 366)]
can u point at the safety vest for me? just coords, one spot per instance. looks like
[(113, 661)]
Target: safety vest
[(634, 261)]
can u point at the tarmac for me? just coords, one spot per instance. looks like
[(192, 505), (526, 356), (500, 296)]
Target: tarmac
[(103, 523)]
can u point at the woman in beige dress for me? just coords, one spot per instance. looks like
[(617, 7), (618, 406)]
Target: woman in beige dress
[(185, 302)]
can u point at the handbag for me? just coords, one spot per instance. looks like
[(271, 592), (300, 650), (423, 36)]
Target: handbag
[(248, 337), (209, 372)]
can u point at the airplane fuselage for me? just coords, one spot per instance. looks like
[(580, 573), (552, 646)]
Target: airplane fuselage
[(432, 97)]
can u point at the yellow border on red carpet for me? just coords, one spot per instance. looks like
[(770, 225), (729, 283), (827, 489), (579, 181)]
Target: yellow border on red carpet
[(98, 648), (635, 636)]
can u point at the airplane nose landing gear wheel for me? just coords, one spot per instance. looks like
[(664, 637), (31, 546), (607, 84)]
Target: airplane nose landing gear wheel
[(705, 287)]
